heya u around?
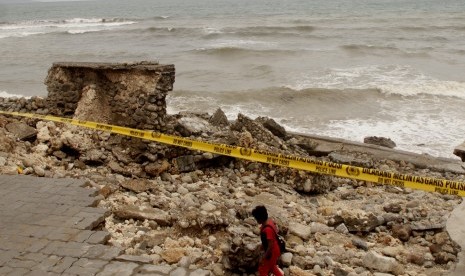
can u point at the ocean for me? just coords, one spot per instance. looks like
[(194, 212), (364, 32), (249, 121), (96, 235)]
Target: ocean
[(341, 68)]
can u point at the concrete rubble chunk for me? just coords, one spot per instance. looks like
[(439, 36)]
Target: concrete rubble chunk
[(185, 163), (134, 258), (381, 263), (380, 141), (300, 230), (460, 151), (137, 185), (21, 130), (135, 212), (192, 125), (118, 268), (219, 118), (272, 126), (150, 269)]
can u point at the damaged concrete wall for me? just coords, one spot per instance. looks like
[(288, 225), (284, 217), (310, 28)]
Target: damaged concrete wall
[(131, 95)]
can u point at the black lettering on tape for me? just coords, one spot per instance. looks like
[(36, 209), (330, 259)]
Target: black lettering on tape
[(137, 133), (182, 143), (352, 171), (245, 152), (155, 134), (104, 127)]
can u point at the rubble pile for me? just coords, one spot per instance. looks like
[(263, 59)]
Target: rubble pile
[(176, 206)]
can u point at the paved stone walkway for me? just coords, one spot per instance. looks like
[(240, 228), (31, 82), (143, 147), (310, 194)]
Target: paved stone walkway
[(46, 228)]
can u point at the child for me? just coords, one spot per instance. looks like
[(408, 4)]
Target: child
[(268, 235)]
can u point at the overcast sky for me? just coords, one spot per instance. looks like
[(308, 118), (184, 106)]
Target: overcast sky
[(23, 1)]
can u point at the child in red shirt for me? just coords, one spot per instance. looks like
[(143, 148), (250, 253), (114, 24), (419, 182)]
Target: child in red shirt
[(268, 235)]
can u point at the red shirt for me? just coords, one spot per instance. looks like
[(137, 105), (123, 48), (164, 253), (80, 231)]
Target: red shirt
[(269, 231)]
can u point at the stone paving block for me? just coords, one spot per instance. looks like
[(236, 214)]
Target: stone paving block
[(7, 255), (135, 259), (81, 271), (63, 264), (154, 269), (82, 235), (18, 272), (28, 207), (17, 263), (75, 249), (52, 220), (89, 221), (16, 243), (200, 272), (103, 252), (73, 221), (63, 234), (47, 263), (99, 237), (40, 231), (72, 210), (15, 228), (4, 270), (25, 217), (118, 269), (93, 263), (66, 249), (179, 271), (52, 247), (30, 231), (43, 273), (89, 201), (37, 257), (14, 205), (5, 244), (85, 267), (37, 246), (59, 209)]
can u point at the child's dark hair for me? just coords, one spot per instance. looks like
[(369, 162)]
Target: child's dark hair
[(260, 213)]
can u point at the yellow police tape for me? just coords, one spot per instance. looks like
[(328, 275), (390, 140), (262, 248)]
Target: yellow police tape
[(301, 163)]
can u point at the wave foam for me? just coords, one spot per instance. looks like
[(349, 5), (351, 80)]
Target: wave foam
[(398, 80), (73, 26), (4, 94)]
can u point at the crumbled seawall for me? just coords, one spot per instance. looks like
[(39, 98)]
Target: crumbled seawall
[(131, 95)]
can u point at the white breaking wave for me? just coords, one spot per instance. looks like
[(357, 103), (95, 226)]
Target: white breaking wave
[(72, 26), (399, 80), (241, 43), (4, 94)]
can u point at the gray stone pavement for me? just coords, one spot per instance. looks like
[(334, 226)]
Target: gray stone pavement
[(46, 228)]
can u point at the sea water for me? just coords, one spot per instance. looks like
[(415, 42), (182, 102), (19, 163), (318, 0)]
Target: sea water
[(349, 69)]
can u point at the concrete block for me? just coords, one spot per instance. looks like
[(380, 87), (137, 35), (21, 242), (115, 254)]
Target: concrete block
[(154, 269), (99, 237), (4, 270), (53, 247), (82, 235), (118, 268), (63, 234), (47, 264), (19, 272), (7, 255), (135, 259), (90, 263), (37, 257), (37, 246), (63, 264), (103, 252), (179, 271)]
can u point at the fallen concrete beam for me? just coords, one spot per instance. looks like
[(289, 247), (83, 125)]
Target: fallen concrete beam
[(380, 153)]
